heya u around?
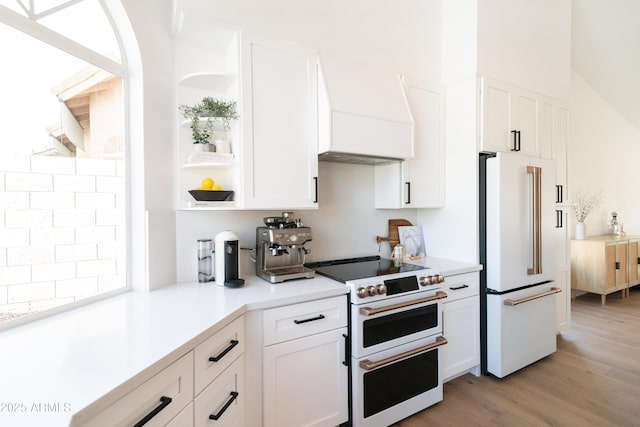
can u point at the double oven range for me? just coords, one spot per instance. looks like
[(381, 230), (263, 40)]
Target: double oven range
[(396, 330)]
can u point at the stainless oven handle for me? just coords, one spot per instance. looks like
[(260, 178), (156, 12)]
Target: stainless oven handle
[(532, 297), (368, 311), (368, 365)]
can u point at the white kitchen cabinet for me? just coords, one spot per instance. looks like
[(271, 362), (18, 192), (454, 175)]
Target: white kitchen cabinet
[(221, 403), (305, 375), (280, 126), (554, 137), (418, 182), (563, 270), (510, 119), (273, 162), (184, 418), (218, 352), (461, 325), (159, 399)]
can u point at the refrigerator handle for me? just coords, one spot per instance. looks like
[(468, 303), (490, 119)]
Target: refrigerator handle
[(536, 223)]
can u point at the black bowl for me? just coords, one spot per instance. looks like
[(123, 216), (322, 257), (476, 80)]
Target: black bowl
[(211, 195)]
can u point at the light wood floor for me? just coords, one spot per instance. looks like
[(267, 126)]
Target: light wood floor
[(592, 380)]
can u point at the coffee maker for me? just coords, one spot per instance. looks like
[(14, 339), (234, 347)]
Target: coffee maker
[(227, 260), (280, 251)]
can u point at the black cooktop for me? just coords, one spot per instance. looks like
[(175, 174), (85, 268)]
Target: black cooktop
[(347, 269)]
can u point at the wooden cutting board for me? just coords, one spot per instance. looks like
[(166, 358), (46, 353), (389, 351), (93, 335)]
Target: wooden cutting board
[(394, 237)]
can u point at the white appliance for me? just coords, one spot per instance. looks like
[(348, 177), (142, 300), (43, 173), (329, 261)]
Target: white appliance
[(396, 333), (518, 301)]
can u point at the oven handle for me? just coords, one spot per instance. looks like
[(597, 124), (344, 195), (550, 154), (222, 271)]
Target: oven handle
[(532, 297), (368, 365), (368, 311)]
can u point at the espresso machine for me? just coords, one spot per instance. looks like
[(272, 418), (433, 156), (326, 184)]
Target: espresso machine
[(280, 251)]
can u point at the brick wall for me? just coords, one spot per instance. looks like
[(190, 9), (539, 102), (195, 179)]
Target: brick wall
[(62, 235)]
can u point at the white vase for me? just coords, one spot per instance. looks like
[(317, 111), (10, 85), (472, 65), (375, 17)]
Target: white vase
[(581, 231)]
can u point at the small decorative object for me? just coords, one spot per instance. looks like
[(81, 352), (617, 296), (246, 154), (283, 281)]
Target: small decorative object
[(413, 241), (203, 114), (615, 226), (583, 204)]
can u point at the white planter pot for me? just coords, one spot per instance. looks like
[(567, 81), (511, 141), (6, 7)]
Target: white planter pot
[(581, 231)]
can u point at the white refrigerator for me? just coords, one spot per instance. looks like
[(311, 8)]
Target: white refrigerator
[(518, 302)]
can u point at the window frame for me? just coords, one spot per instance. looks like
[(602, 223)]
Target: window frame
[(130, 72)]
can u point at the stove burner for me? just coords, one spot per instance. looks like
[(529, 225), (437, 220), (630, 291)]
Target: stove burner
[(347, 269)]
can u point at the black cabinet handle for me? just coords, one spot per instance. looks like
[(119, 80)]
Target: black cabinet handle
[(559, 193), (617, 265), (457, 288), (345, 362), (516, 140), (319, 317), (164, 401), (639, 260), (232, 344), (559, 218), (315, 180), (234, 396), (408, 202)]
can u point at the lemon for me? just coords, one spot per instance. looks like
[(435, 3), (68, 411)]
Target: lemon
[(217, 187), (208, 183)]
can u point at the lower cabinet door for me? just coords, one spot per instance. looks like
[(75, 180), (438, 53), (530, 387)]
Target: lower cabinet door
[(461, 326), (221, 403), (184, 418), (305, 381), (153, 403)]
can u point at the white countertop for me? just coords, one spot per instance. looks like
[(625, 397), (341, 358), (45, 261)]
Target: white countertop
[(55, 367)]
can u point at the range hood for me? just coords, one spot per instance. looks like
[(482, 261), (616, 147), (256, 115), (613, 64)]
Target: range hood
[(363, 114)]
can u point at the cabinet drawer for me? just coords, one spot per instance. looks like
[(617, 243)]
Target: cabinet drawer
[(461, 286), (307, 318), (223, 398), (214, 355), (184, 418), (174, 382)]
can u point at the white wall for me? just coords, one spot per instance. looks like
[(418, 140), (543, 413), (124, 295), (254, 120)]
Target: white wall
[(526, 43), (603, 155), (402, 35)]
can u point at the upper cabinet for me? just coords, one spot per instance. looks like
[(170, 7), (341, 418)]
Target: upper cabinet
[(515, 119), (510, 119), (280, 107), (267, 156), (417, 182)]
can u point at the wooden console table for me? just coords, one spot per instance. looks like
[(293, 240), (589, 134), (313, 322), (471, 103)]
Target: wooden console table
[(605, 264)]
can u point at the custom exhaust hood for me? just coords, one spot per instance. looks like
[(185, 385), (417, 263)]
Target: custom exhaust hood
[(363, 114)]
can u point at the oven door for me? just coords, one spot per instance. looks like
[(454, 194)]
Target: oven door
[(394, 384), (394, 321)]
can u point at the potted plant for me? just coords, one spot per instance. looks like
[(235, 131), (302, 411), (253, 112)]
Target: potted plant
[(203, 114)]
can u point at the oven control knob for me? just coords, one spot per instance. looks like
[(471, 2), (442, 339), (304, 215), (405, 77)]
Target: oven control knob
[(382, 289), (362, 292), (426, 280), (440, 278), (372, 290)]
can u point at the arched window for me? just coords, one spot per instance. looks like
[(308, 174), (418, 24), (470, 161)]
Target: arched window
[(63, 154)]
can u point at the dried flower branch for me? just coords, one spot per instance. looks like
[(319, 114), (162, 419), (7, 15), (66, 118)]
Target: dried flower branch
[(585, 203)]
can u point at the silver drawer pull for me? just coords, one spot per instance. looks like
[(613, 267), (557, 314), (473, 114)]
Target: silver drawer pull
[(368, 311), (368, 365), (532, 297)]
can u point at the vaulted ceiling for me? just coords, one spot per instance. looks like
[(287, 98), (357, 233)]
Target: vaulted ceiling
[(605, 51)]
